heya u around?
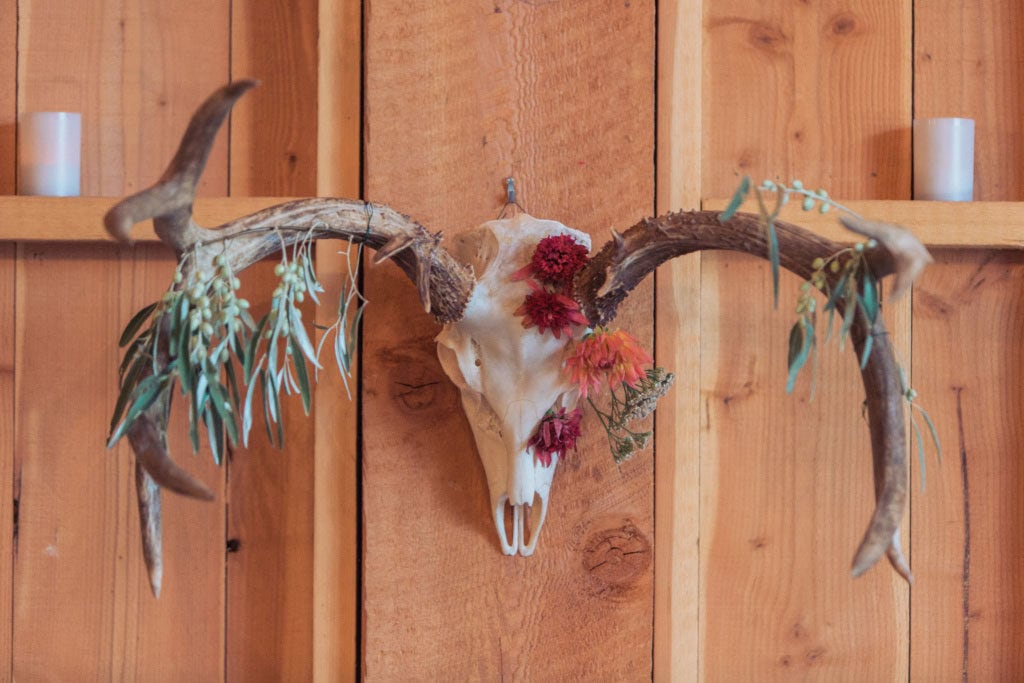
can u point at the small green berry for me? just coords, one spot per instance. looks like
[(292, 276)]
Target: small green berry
[(797, 185), (818, 263), (808, 203)]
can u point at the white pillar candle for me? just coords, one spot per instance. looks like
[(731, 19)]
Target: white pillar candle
[(50, 153), (944, 159)]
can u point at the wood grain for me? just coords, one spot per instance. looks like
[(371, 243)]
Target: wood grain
[(135, 71), (7, 450), (82, 608), (8, 90), (819, 92), (968, 62), (968, 321), (336, 556), (786, 490), (270, 516), (677, 347), (458, 97)]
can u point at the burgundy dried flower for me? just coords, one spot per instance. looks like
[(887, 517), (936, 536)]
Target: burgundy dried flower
[(556, 260), (556, 433), (549, 311)]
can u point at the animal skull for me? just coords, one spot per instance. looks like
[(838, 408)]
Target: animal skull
[(509, 376)]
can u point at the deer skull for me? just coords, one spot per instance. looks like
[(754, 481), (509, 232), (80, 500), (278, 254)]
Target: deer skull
[(509, 376)]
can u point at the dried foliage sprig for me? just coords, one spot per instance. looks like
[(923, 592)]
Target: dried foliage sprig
[(204, 328)]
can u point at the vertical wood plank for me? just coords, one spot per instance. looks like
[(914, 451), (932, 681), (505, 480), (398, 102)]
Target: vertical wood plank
[(968, 62), (273, 152), (82, 608), (135, 71), (459, 96), (7, 412), (968, 321), (8, 90), (677, 347), (819, 92), (336, 519)]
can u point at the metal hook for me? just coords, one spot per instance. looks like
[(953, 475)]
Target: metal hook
[(510, 198)]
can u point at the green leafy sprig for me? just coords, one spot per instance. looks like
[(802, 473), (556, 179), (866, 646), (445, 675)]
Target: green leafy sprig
[(200, 329), (910, 397), (845, 279), (635, 403)]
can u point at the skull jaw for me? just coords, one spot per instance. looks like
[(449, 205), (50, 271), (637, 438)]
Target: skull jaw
[(530, 501)]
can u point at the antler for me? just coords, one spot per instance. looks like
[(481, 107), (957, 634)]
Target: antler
[(444, 285), (629, 257)]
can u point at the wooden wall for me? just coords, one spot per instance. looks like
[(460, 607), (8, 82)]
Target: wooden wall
[(746, 517)]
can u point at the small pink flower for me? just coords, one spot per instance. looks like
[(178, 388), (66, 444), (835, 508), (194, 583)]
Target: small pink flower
[(556, 433), (548, 310), (607, 357), (555, 261)]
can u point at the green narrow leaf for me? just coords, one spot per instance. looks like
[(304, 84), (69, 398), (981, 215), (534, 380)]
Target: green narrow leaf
[(187, 375), (135, 323), (737, 199), (299, 335), (229, 372), (145, 394), (309, 277), (920, 449), (214, 433), (869, 299), (837, 292), (934, 432), (222, 405), (302, 375), (800, 339), (127, 389), (132, 353), (773, 258), (265, 403), (850, 308), (247, 411), (250, 355), (868, 342)]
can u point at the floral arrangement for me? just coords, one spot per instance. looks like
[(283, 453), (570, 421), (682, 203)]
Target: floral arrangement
[(600, 359)]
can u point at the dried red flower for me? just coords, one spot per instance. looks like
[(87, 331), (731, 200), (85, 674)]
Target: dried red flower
[(603, 356), (555, 261), (556, 433), (549, 310)]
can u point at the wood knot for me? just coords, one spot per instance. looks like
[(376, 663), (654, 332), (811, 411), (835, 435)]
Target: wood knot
[(843, 25), (416, 382), (616, 559), (766, 37)]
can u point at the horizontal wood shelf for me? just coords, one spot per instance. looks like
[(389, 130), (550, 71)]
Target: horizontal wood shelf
[(982, 225), (80, 219), (995, 225)]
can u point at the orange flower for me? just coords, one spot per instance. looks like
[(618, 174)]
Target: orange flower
[(607, 357)]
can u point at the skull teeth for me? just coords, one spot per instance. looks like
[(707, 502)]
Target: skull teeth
[(520, 536)]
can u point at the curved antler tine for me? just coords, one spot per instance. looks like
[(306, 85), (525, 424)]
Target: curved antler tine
[(627, 259), (148, 437), (151, 525), (169, 201)]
